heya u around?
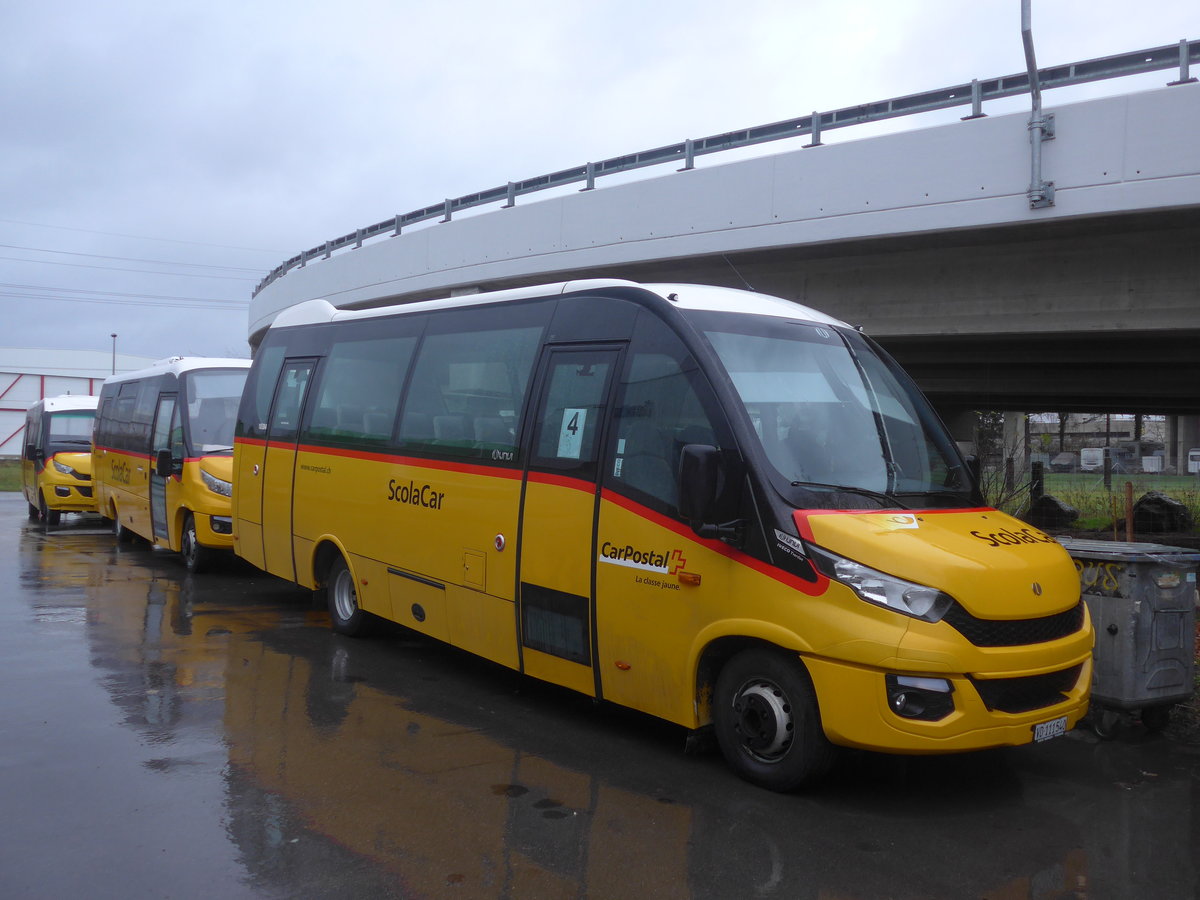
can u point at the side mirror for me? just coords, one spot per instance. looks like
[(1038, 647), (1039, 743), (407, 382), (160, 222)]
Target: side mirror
[(699, 478), (32, 452), (164, 465), (702, 479)]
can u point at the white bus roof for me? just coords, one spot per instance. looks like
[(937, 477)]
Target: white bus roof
[(685, 296), (177, 365), (66, 403)]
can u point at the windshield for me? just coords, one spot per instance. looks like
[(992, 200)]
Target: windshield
[(71, 430), (834, 417), (212, 399)]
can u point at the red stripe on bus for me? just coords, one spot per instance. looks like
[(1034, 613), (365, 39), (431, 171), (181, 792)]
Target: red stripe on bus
[(587, 485)]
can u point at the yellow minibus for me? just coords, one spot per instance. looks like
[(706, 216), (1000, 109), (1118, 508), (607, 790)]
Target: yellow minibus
[(717, 507), (162, 459), (56, 463)]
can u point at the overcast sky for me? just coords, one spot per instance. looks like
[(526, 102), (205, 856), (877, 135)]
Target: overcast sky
[(157, 158)]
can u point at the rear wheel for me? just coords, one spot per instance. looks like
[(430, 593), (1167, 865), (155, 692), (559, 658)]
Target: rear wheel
[(123, 534), (1156, 718), (767, 722), (196, 557), (345, 615)]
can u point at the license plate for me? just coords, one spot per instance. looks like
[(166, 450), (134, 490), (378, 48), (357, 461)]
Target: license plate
[(1044, 731)]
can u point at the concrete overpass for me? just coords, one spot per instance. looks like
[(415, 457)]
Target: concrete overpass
[(935, 240)]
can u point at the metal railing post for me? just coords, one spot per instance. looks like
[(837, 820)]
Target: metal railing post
[(689, 155), (1184, 66), (976, 101), (815, 130)]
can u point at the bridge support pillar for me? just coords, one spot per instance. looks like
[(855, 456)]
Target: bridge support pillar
[(1016, 439), (962, 424), (1183, 434)]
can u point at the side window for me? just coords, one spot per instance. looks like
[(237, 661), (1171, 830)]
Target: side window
[(33, 433), (260, 388), (123, 415), (178, 450), (359, 390), (103, 421), (289, 400), (467, 392), (661, 409), (143, 414), (568, 431)]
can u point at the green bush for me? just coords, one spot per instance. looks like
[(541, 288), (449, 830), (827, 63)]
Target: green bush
[(10, 475)]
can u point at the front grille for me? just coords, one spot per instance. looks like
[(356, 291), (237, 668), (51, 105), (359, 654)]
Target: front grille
[(1018, 695), (1014, 632)]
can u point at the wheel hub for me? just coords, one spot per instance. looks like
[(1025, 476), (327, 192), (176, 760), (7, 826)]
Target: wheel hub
[(344, 595), (763, 718)]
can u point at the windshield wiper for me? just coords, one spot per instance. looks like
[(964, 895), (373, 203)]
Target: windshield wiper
[(84, 441), (884, 499)]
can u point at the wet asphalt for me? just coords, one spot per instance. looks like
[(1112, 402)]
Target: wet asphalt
[(166, 735)]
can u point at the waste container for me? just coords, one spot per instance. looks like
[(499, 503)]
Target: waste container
[(1142, 599)]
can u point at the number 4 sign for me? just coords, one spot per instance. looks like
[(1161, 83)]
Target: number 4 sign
[(570, 437)]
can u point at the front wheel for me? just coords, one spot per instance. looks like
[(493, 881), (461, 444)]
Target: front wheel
[(345, 615), (49, 517), (767, 722), (1105, 722), (34, 513), (196, 557)]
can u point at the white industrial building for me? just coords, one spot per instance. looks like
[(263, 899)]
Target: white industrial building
[(29, 374)]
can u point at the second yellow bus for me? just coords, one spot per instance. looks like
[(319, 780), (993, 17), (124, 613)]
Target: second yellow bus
[(162, 461)]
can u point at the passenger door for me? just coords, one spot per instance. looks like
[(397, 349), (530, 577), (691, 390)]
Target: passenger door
[(160, 440), (277, 475), (557, 609)]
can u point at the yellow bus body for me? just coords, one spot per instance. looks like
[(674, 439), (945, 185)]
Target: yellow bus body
[(490, 558)]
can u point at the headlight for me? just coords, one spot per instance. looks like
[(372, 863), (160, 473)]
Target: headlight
[(62, 467), (216, 485), (907, 597)]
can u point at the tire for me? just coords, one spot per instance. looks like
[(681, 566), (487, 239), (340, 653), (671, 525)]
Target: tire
[(767, 723), (49, 517), (123, 534), (196, 557), (1105, 722), (345, 615), (1156, 718), (34, 513)]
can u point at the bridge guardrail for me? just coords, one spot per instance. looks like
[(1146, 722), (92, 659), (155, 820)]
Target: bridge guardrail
[(975, 93)]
